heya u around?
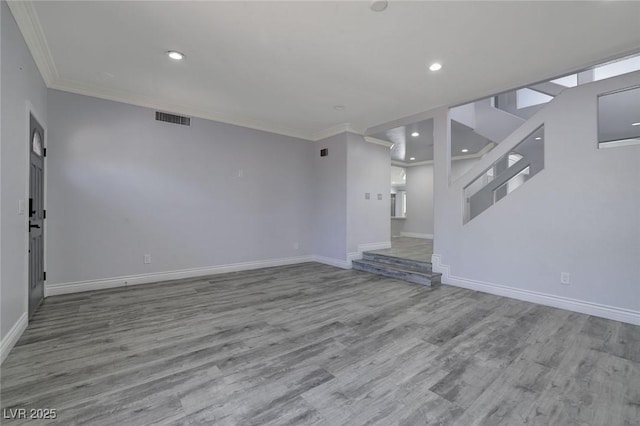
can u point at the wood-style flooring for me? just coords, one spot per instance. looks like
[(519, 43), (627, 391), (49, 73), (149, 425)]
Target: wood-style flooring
[(311, 344), (409, 248)]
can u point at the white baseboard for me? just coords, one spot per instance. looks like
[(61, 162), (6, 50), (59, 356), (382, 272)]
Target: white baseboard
[(416, 235), (583, 307), (374, 246), (338, 263), (355, 255), (79, 286), (12, 336)]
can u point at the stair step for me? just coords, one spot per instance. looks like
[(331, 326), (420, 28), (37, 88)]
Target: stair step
[(400, 272), (397, 261)]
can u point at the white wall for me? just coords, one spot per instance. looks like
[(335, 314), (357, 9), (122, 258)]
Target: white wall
[(368, 171), (329, 220), (419, 220), (121, 185), (21, 85), (581, 215)]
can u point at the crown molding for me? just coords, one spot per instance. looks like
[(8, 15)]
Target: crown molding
[(335, 130), (29, 24), (154, 103), (27, 19), (478, 154), (378, 141)]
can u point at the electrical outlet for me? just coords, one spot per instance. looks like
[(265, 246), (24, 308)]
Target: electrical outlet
[(147, 258), (565, 278), (379, 196), (240, 173), (367, 195)]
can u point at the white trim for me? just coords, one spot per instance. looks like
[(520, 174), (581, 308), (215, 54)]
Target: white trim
[(124, 281), (354, 255), (334, 130), (416, 235), (596, 309), (377, 141), (27, 19), (374, 246), (488, 147), (412, 164), (13, 336), (338, 263), (29, 24), (619, 143)]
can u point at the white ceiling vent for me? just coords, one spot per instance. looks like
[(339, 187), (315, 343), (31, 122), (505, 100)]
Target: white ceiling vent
[(173, 118)]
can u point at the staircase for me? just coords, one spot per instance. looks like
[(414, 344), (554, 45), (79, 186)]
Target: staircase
[(413, 271)]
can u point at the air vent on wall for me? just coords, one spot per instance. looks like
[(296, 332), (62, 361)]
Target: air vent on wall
[(172, 118)]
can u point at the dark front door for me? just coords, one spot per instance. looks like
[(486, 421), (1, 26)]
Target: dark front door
[(36, 215)]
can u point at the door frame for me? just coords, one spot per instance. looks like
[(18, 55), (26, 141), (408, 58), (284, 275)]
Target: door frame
[(31, 110)]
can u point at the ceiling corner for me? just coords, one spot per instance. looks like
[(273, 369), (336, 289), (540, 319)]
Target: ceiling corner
[(336, 130), (377, 141), (26, 17)]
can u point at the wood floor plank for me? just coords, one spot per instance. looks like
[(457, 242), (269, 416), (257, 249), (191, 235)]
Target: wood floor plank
[(311, 344)]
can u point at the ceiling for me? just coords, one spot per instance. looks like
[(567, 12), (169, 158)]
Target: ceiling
[(420, 148), (283, 66)]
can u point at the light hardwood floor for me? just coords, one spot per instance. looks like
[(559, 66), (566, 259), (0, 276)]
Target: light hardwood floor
[(313, 344)]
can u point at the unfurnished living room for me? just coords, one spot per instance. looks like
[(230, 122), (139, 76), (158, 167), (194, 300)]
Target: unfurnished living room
[(320, 213)]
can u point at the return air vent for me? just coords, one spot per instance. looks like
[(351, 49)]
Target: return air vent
[(172, 118)]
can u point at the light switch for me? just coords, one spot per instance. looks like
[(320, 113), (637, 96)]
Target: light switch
[(21, 206), (379, 196), (367, 196)]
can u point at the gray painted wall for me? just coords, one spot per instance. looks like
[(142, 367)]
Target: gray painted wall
[(122, 185), (22, 87), (578, 215), (419, 200), (368, 171), (329, 221)]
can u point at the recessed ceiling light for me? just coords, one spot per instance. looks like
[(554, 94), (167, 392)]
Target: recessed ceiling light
[(636, 124), (338, 107), (379, 5), (415, 134), (436, 66), (412, 158), (538, 138), (175, 55), (464, 150)]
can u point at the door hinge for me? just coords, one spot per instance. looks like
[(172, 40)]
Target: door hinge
[(44, 276), (44, 213)]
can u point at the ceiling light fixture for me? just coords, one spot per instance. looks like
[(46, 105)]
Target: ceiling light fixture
[(636, 123), (464, 150), (436, 66), (415, 134), (175, 55), (412, 158), (338, 107), (379, 5), (538, 138)]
